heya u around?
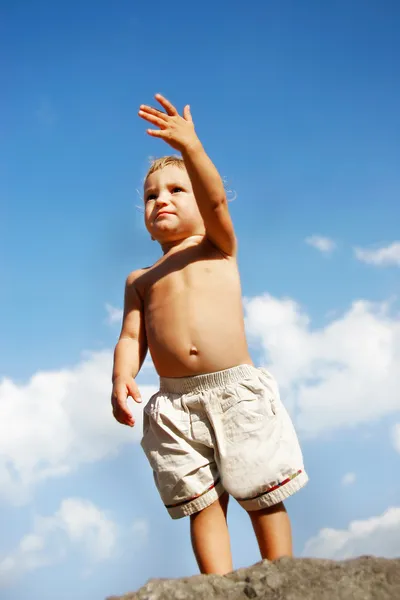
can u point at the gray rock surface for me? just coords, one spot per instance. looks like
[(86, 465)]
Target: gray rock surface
[(363, 578)]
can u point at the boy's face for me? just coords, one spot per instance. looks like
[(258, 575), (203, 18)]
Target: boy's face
[(171, 211)]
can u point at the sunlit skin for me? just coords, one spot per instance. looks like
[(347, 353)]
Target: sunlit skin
[(186, 309)]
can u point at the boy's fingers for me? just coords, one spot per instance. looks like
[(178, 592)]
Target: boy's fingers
[(171, 110), (125, 421), (134, 392), (156, 133), (187, 114), (120, 408), (122, 414), (154, 111), (152, 119)]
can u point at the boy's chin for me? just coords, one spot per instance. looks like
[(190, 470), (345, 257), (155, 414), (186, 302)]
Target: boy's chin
[(165, 237), (165, 233)]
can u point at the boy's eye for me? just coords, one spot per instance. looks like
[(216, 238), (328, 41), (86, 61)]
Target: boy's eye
[(177, 189), (150, 197)]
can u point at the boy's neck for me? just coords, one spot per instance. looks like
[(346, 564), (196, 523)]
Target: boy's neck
[(191, 240)]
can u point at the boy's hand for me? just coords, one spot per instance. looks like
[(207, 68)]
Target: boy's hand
[(177, 131), (122, 388)]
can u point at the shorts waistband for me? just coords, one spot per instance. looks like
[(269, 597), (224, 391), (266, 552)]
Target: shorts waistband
[(207, 381)]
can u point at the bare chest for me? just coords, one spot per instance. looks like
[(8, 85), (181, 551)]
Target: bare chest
[(203, 277), (176, 280)]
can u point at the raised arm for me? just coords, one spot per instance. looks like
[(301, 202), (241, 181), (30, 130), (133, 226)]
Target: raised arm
[(210, 195), (207, 184)]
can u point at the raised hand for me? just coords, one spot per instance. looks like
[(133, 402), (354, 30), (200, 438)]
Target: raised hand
[(177, 131)]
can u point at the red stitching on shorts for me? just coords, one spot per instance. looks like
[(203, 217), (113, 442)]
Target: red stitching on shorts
[(273, 488), (194, 497)]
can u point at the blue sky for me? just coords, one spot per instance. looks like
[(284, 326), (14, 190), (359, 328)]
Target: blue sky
[(297, 104)]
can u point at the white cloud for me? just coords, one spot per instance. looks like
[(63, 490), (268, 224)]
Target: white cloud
[(114, 314), (339, 375), (31, 543), (78, 524), (58, 420), (377, 536), (140, 530), (88, 526), (396, 436), (323, 244), (381, 257), (349, 478)]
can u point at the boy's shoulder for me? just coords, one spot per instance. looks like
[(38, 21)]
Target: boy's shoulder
[(134, 285), (135, 275)]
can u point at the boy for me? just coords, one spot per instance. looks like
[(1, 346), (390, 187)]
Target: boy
[(217, 426)]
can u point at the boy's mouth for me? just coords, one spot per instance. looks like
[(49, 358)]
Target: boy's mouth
[(163, 212)]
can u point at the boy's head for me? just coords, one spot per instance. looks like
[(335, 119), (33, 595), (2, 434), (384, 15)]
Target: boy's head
[(171, 211)]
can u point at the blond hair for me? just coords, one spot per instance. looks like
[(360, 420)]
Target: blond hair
[(159, 163), (176, 161)]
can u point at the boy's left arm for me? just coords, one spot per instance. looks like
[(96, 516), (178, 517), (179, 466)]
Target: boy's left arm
[(211, 198), (207, 184)]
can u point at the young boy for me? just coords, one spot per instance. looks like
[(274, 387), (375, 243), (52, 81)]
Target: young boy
[(217, 426)]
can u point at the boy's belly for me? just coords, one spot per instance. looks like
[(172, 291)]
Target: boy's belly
[(189, 336)]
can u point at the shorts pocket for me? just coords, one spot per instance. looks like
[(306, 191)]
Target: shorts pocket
[(246, 410), (264, 394)]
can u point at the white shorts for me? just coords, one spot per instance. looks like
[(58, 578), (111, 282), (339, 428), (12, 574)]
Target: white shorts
[(223, 431)]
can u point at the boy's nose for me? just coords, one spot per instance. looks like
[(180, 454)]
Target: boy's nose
[(162, 199)]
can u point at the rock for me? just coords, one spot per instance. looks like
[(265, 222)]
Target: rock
[(363, 578)]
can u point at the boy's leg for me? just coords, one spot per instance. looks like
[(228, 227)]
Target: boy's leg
[(273, 531), (210, 538)]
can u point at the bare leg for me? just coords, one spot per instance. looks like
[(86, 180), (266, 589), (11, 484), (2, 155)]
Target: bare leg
[(210, 538), (273, 531)]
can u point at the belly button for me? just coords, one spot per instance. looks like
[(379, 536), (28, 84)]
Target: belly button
[(193, 350)]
